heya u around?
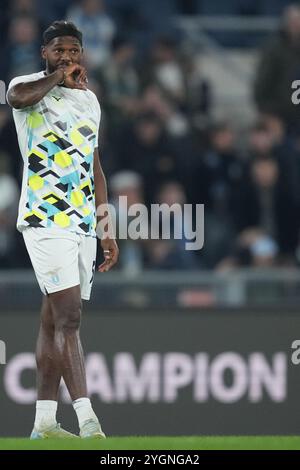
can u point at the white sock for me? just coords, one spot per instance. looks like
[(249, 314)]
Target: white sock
[(45, 415), (84, 410)]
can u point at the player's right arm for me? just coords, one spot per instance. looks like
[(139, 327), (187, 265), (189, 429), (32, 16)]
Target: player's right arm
[(27, 94)]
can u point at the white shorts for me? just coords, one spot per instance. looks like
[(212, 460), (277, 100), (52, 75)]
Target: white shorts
[(61, 259)]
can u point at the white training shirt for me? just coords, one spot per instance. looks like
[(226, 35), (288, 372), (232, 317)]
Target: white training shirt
[(57, 137)]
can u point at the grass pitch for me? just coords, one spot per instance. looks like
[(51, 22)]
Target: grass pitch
[(159, 443)]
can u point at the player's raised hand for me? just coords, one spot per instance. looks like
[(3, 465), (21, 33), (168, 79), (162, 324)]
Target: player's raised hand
[(75, 76), (111, 254)]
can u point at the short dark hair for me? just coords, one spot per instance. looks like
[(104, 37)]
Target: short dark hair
[(61, 28)]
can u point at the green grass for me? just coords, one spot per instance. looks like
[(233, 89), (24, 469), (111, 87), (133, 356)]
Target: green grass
[(160, 442)]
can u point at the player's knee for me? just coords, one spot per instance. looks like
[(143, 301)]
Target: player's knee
[(47, 322), (69, 316)]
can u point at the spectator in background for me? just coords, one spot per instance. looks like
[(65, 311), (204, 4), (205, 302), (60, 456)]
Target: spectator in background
[(119, 82), (22, 8), (253, 248), (180, 78), (165, 69), (129, 185), (22, 55), (260, 141), (98, 30), (9, 146), (174, 121), (219, 171), (18, 8), (265, 201), (146, 149), (171, 253), (278, 68), (8, 213), (268, 138), (215, 177), (198, 92)]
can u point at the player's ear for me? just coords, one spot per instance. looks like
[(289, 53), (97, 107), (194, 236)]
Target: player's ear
[(43, 52)]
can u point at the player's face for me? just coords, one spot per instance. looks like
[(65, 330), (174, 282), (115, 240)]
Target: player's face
[(64, 50)]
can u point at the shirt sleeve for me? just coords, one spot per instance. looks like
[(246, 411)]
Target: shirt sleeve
[(98, 118), (16, 81)]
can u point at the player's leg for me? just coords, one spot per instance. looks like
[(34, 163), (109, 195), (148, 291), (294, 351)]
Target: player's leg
[(48, 380), (88, 422), (48, 371), (48, 367), (57, 256), (54, 256), (66, 309)]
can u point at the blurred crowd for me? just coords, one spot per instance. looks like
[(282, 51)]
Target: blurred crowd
[(158, 141)]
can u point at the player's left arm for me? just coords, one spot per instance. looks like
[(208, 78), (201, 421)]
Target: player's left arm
[(108, 242)]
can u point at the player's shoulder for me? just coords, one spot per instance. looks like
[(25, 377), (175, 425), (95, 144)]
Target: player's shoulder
[(92, 95), (93, 98), (25, 78)]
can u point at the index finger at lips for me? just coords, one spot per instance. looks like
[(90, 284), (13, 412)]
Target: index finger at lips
[(81, 74), (82, 81), (81, 70)]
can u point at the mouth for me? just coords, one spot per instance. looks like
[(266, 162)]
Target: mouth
[(63, 64)]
